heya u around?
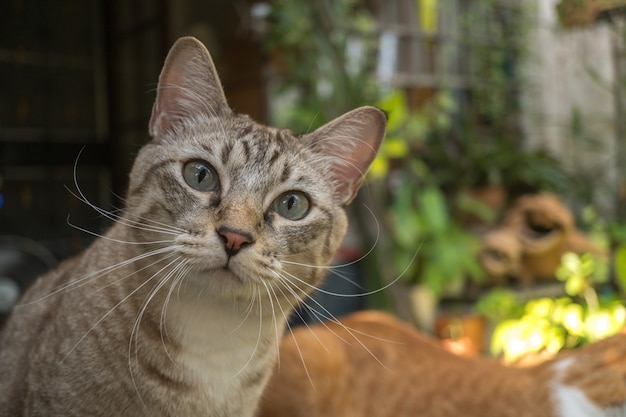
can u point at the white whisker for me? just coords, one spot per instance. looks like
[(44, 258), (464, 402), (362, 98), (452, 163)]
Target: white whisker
[(111, 310), (86, 279)]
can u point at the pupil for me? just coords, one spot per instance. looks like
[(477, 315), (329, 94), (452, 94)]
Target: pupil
[(291, 202), (202, 174)]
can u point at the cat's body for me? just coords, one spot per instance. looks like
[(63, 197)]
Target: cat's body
[(178, 309), (373, 365)]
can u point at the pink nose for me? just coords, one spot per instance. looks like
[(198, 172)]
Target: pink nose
[(234, 240)]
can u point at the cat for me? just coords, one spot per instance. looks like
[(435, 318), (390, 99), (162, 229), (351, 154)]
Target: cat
[(178, 309), (371, 364)]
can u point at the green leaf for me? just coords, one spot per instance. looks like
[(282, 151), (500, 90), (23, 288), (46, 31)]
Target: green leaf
[(472, 205), (620, 265), (434, 210), (600, 325), (572, 319), (395, 104), (570, 264), (395, 147), (541, 307), (575, 285)]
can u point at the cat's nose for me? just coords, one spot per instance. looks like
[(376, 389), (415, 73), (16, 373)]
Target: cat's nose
[(234, 240)]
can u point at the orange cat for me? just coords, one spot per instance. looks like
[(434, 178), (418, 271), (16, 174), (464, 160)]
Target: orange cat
[(373, 365)]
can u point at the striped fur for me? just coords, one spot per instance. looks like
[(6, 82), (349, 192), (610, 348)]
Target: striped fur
[(177, 310)]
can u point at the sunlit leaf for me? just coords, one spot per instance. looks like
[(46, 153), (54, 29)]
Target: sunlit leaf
[(572, 319), (379, 167), (396, 106), (541, 307), (601, 324), (570, 264), (555, 340), (574, 285), (395, 147)]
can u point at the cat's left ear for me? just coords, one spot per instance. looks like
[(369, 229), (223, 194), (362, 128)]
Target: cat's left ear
[(188, 87), (348, 145)]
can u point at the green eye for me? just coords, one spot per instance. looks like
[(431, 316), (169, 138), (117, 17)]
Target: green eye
[(292, 205), (201, 176)]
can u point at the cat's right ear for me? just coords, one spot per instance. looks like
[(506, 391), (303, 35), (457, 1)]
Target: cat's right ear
[(347, 146), (188, 87)]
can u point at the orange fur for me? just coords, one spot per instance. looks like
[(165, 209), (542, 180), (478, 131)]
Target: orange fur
[(374, 365)]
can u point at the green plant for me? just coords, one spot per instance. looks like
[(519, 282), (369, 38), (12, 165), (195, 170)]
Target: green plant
[(550, 325), (421, 219), (499, 305), (419, 215), (458, 139), (325, 52)]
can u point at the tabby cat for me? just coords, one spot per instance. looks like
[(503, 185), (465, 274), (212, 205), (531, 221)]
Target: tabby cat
[(178, 309), (372, 365)]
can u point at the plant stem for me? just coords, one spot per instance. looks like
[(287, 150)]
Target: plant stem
[(591, 297)]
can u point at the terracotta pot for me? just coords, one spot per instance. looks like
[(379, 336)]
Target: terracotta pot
[(463, 335)]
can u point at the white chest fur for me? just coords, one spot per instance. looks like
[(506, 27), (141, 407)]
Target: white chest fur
[(228, 352)]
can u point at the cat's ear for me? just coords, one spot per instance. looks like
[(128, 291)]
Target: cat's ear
[(347, 146), (188, 87)]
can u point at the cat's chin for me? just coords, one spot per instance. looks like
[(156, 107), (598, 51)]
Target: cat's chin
[(219, 275)]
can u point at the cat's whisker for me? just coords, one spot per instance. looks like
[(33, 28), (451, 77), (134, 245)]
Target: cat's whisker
[(302, 360), (347, 279), (333, 269), (327, 315), (180, 271), (168, 254), (122, 220), (180, 276), (258, 340), (271, 295), (156, 225), (111, 310), (81, 196), (160, 284), (300, 300), (247, 312), (347, 264), (135, 329), (285, 284), (86, 279), (126, 242), (301, 356), (362, 294)]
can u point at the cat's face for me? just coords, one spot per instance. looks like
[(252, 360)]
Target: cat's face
[(244, 209)]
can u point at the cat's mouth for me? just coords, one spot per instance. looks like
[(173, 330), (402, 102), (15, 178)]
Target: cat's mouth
[(223, 273)]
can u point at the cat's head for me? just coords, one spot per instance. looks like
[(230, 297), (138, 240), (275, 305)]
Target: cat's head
[(243, 207)]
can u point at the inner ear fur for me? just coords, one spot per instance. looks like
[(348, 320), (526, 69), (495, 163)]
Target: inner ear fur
[(349, 144)]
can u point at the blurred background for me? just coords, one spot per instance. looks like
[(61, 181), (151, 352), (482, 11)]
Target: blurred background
[(495, 215)]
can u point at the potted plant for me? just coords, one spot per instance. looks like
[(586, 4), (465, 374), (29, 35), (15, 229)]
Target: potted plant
[(547, 325)]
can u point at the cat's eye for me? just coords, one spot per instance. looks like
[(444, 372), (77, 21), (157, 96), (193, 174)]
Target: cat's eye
[(201, 176), (292, 205)]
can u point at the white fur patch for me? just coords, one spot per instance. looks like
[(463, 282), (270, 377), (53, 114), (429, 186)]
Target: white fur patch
[(572, 402)]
